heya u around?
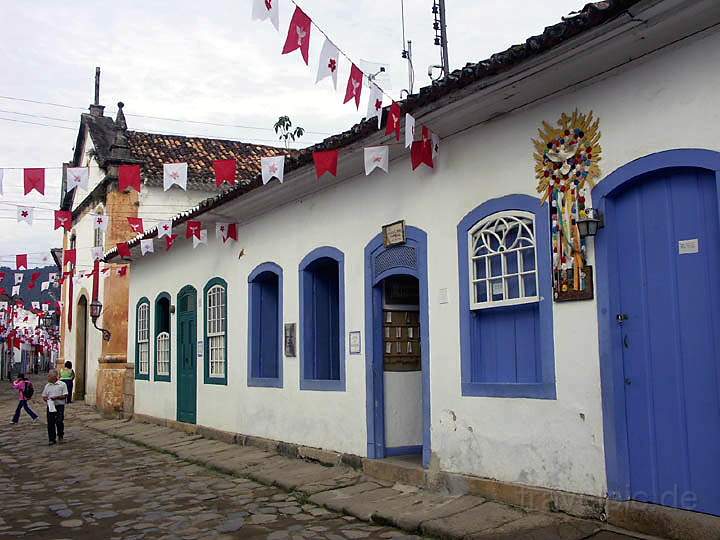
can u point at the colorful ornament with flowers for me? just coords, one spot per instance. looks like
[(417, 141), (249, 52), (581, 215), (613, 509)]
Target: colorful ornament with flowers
[(566, 166)]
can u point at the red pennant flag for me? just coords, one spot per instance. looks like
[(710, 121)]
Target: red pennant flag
[(129, 177), (421, 151), (122, 271), (35, 276), (225, 171), (231, 232), (298, 34), (69, 256), (3, 291), (326, 162), (34, 179), (169, 241), (63, 220), (354, 85), (31, 285), (21, 261), (136, 224), (393, 120), (2, 276), (124, 250), (193, 229)]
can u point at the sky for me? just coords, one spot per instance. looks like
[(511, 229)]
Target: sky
[(208, 62)]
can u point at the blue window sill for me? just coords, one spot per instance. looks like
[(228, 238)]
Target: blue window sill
[(215, 380), (510, 390), (335, 385), (275, 382), (140, 377)]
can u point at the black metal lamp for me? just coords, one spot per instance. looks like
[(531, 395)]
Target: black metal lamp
[(95, 311), (588, 226)]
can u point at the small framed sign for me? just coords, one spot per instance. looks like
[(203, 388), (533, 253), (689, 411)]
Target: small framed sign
[(394, 233), (355, 347), (290, 340)]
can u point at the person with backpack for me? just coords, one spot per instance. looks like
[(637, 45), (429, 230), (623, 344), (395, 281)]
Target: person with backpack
[(25, 392), (67, 375)]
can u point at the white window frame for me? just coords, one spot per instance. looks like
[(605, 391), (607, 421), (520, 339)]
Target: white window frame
[(506, 215), (162, 349), (215, 311), (143, 338)]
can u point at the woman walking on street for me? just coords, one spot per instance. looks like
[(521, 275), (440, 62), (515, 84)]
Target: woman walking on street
[(67, 375), (25, 391)]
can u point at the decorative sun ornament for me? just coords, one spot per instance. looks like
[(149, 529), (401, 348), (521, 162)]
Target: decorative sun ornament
[(566, 163)]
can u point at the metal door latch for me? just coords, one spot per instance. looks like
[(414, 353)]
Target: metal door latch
[(621, 317)]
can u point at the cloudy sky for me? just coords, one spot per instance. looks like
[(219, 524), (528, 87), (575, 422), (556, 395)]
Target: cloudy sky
[(207, 62)]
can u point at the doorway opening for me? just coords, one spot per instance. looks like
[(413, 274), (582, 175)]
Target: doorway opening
[(80, 363)]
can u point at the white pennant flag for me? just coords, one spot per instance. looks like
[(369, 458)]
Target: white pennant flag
[(375, 103), (435, 145), (329, 62), (52, 276), (376, 157), (202, 240), (18, 279), (45, 259), (35, 305), (409, 130), (147, 246), (220, 229), (96, 253), (164, 228), (16, 290), (272, 167), (100, 221), (2, 173), (45, 307), (45, 285), (175, 173), (267, 9), (77, 177), (25, 214)]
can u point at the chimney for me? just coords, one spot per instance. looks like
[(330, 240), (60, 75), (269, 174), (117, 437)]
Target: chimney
[(96, 109)]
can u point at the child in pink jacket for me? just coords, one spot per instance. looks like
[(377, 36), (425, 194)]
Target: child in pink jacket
[(21, 384)]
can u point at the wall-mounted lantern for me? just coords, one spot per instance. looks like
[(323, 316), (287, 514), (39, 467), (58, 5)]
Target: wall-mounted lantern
[(588, 226), (95, 311)]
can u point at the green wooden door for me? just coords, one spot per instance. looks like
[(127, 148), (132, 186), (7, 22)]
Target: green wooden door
[(187, 356)]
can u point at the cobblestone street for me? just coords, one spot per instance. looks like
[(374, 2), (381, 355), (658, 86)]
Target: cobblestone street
[(96, 487)]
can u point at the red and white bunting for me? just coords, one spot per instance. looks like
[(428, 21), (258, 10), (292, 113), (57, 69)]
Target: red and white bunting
[(21, 261), (170, 241), (164, 228), (34, 179), (45, 285), (100, 221), (202, 239), (326, 161), (16, 290), (421, 151), (272, 167), (77, 177), (435, 138), (19, 278), (298, 36), (226, 231), (225, 171), (329, 62), (175, 174), (267, 9), (96, 253), (63, 219), (25, 214), (136, 224), (376, 157), (393, 120), (375, 103), (409, 130), (123, 250), (129, 177), (193, 229), (147, 246), (354, 86)]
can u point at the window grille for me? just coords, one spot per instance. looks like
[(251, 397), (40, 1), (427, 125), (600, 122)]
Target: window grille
[(216, 330), (163, 353), (503, 260), (143, 339)]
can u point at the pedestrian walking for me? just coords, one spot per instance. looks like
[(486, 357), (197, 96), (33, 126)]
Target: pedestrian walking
[(25, 392), (54, 395), (67, 375)]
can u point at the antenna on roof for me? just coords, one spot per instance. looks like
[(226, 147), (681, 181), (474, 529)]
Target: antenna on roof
[(97, 86), (407, 53)]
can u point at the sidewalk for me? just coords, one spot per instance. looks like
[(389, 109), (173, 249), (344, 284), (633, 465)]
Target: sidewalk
[(343, 489)]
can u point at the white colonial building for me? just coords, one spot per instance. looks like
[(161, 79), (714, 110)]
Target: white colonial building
[(495, 338)]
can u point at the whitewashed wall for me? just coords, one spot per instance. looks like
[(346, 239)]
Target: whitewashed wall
[(668, 102)]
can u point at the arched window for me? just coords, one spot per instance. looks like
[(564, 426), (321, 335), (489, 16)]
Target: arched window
[(142, 340), (162, 337), (506, 326), (265, 326), (216, 331), (322, 320)]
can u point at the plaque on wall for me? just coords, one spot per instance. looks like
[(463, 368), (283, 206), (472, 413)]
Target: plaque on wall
[(355, 347), (290, 340), (394, 233)]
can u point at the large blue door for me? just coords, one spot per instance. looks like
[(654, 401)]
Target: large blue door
[(663, 229)]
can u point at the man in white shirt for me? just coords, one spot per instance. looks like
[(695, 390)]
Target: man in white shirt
[(54, 394)]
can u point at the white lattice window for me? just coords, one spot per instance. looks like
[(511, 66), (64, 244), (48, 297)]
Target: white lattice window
[(143, 339), (163, 353), (216, 330), (503, 261)]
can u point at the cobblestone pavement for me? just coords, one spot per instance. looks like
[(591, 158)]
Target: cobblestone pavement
[(97, 487)]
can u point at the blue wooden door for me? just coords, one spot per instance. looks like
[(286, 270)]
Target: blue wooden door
[(266, 317), (666, 288), (187, 357)]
